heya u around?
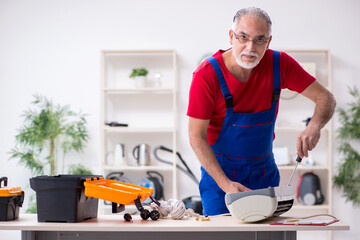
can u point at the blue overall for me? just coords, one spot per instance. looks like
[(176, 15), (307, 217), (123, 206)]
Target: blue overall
[(244, 146)]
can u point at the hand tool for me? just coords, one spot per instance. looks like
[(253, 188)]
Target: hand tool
[(298, 160)]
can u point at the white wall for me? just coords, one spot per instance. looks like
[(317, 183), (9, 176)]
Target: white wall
[(52, 48)]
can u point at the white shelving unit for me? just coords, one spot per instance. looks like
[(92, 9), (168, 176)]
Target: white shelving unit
[(293, 109), (150, 113)]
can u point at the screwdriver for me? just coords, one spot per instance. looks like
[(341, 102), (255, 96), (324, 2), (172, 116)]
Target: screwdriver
[(298, 160)]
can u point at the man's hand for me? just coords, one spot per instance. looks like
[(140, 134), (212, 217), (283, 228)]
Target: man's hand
[(234, 187), (324, 109), (307, 140)]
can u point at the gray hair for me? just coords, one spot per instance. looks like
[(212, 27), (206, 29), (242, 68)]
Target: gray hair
[(254, 12)]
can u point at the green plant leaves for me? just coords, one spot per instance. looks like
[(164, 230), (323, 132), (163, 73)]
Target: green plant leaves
[(79, 169), (138, 72), (348, 176), (47, 130), (29, 159)]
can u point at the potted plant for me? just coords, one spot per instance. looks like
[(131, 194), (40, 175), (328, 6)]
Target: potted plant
[(139, 75), (348, 176), (48, 134)]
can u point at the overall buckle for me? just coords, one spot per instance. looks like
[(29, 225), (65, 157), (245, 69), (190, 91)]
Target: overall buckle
[(229, 101), (276, 95)]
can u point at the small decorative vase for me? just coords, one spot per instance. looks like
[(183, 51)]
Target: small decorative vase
[(157, 82), (140, 81)]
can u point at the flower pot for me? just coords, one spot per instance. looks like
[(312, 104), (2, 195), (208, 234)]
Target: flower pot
[(140, 81)]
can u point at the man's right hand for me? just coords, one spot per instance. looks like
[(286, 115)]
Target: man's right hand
[(234, 187)]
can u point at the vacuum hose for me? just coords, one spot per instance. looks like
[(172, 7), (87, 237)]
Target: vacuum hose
[(187, 171)]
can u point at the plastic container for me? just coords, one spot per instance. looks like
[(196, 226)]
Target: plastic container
[(11, 199), (115, 191), (61, 198)]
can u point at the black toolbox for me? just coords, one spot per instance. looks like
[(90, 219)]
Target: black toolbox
[(11, 199), (61, 198)]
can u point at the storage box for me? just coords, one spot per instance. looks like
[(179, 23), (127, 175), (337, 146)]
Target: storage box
[(61, 198), (11, 199)]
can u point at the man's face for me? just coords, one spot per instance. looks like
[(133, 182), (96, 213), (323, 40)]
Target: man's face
[(250, 41)]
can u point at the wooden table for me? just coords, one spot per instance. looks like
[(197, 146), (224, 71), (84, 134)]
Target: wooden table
[(114, 227)]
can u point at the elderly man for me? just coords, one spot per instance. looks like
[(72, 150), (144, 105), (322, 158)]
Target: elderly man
[(232, 110)]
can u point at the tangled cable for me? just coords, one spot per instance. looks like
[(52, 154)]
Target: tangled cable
[(174, 207)]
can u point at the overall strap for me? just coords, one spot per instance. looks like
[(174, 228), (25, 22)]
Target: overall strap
[(276, 80), (220, 76)]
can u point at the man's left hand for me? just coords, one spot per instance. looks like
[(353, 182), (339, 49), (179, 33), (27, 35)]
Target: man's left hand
[(324, 109), (307, 140)]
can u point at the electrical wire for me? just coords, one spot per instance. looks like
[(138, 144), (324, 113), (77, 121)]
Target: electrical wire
[(316, 215), (187, 171), (174, 207), (319, 215)]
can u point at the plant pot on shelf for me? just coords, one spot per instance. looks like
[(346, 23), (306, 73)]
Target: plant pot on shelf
[(140, 81)]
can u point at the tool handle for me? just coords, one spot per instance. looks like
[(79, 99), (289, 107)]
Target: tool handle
[(5, 180), (298, 159)]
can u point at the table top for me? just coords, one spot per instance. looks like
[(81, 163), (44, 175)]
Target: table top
[(115, 222)]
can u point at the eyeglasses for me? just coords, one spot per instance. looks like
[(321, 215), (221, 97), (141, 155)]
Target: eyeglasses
[(259, 41)]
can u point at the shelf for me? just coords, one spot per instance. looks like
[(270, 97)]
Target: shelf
[(302, 167), (137, 130), (138, 52), (309, 207), (294, 108), (137, 90), (320, 58), (288, 91), (139, 168), (150, 111), (289, 128), (297, 128), (306, 51), (299, 210)]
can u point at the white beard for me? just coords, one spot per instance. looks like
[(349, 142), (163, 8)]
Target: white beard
[(244, 64)]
